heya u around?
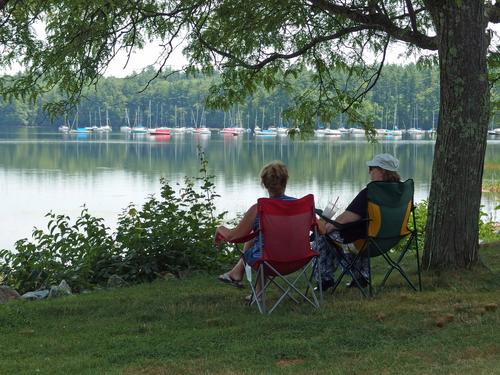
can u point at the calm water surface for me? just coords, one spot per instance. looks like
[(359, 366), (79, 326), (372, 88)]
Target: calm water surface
[(43, 170)]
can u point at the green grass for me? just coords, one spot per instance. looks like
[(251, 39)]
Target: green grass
[(196, 326)]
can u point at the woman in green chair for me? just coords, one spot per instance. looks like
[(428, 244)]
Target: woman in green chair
[(383, 167)]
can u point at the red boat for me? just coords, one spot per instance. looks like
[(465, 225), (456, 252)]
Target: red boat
[(159, 131)]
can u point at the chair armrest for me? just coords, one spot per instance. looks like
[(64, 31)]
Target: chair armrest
[(340, 226), (248, 237)]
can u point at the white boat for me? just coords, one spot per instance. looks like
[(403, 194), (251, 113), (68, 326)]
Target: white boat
[(497, 131), (266, 133), (180, 130), (282, 131), (239, 130), (383, 132), (356, 132), (107, 127), (415, 131), (332, 133), (397, 133), (73, 127), (126, 128), (343, 130), (202, 131), (319, 132), (65, 127), (139, 130)]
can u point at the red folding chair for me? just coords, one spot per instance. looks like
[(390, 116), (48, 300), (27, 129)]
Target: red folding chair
[(286, 254)]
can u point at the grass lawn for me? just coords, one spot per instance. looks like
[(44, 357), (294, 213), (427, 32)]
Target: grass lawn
[(196, 325)]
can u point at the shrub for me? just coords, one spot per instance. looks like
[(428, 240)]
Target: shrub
[(172, 233), (487, 227), (487, 231), (79, 253)]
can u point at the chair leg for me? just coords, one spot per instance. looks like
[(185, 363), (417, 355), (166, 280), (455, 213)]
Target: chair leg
[(419, 271), (415, 235), (348, 267), (291, 287), (263, 290), (370, 285), (262, 282), (317, 270), (258, 296), (316, 276), (394, 265)]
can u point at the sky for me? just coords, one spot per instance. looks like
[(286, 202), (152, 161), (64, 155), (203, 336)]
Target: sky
[(148, 55), (145, 57), (141, 59)]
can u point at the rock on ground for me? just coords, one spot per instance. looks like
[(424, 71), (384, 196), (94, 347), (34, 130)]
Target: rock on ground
[(8, 294)]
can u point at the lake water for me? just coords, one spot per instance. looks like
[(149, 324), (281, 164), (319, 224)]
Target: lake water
[(43, 170)]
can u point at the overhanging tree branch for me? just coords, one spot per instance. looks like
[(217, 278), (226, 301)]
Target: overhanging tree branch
[(379, 21), (411, 13), (374, 78), (277, 56)]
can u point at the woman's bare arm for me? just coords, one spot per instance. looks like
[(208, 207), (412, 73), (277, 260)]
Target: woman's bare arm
[(344, 218), (244, 227)]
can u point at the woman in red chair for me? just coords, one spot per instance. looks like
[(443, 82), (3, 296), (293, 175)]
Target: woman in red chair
[(274, 177)]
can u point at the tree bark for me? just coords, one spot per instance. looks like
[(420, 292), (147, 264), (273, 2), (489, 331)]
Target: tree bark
[(457, 171)]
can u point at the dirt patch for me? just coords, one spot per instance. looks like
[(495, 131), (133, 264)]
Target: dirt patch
[(471, 353), (289, 362)]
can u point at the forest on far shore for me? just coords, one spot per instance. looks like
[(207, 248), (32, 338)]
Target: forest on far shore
[(404, 96)]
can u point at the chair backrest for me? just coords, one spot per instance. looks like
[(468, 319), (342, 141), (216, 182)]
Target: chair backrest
[(285, 226), (390, 205)]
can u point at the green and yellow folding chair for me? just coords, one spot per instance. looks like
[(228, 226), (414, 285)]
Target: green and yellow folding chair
[(390, 209)]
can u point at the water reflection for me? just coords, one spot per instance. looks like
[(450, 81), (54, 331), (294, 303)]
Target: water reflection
[(42, 170)]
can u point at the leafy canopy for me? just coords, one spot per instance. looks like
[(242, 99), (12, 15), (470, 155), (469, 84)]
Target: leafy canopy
[(262, 42)]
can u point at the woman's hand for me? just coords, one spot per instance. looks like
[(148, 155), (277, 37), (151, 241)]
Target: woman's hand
[(330, 227), (321, 226), (219, 234)]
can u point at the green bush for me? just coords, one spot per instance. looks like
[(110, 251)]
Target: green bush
[(420, 220), (78, 253), (172, 233), (487, 231)]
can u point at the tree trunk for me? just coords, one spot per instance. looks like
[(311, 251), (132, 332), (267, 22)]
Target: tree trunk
[(455, 195)]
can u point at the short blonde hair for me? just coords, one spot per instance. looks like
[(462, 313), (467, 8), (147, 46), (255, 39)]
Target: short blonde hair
[(274, 177)]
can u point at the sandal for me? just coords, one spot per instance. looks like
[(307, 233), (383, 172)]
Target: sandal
[(227, 279)]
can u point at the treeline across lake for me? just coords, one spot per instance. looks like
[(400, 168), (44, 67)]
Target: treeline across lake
[(405, 96)]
